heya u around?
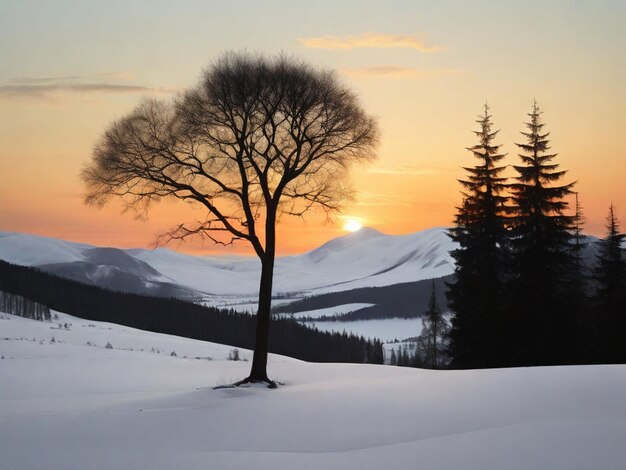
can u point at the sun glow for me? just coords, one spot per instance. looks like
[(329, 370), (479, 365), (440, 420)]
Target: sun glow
[(352, 225)]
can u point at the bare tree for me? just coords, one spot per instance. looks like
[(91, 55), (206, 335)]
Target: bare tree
[(256, 139)]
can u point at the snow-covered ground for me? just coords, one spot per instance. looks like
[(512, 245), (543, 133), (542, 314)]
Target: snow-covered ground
[(331, 311), (69, 405)]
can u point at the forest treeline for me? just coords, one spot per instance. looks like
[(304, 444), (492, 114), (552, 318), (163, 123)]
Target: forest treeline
[(20, 306), (404, 300), (522, 294), (182, 318)]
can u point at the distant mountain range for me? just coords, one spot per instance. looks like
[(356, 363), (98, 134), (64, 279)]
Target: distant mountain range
[(344, 270), (366, 258)]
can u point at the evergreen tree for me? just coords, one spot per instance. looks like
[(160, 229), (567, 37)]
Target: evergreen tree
[(578, 277), (406, 360), (400, 356), (475, 294), (540, 292), (394, 359), (578, 245), (433, 342), (610, 274)]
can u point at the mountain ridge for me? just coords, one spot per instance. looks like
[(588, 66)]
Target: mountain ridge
[(366, 258), (363, 259)]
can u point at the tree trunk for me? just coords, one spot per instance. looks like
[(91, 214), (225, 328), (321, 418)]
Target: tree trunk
[(258, 372)]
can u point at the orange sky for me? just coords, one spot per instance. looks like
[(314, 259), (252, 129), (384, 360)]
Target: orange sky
[(424, 69)]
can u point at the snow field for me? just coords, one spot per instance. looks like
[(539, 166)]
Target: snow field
[(66, 405), (386, 329)]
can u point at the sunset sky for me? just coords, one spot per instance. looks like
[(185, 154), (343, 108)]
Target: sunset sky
[(425, 69)]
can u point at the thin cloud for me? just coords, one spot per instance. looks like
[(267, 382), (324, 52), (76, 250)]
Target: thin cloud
[(42, 80), (393, 71), (370, 41), (71, 78), (37, 90)]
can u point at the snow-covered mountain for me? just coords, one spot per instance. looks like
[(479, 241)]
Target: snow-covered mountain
[(335, 278), (367, 258), (110, 268)]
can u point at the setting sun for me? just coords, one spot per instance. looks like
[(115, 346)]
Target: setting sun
[(352, 225)]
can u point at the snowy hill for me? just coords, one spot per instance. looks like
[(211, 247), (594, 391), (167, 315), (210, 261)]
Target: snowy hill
[(366, 258), (74, 404), (111, 268)]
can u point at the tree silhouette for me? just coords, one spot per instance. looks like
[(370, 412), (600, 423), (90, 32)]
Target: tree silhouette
[(578, 282), (394, 359), (479, 229), (579, 242), (256, 139), (610, 274), (542, 255)]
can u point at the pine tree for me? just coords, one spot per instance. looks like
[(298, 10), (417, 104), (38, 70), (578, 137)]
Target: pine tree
[(578, 243), (578, 279), (400, 361), (610, 274), (433, 342), (406, 360), (542, 258), (394, 359), (475, 294)]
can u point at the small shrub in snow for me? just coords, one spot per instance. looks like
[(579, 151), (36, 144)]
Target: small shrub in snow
[(53, 340), (173, 354), (233, 355), (109, 346)]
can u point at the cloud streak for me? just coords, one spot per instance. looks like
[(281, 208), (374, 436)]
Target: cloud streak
[(29, 87), (71, 78), (370, 41), (394, 71)]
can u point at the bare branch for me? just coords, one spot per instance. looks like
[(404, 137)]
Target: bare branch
[(255, 139)]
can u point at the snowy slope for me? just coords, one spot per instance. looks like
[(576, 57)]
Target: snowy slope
[(67, 405), (31, 250), (111, 268), (366, 258)]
